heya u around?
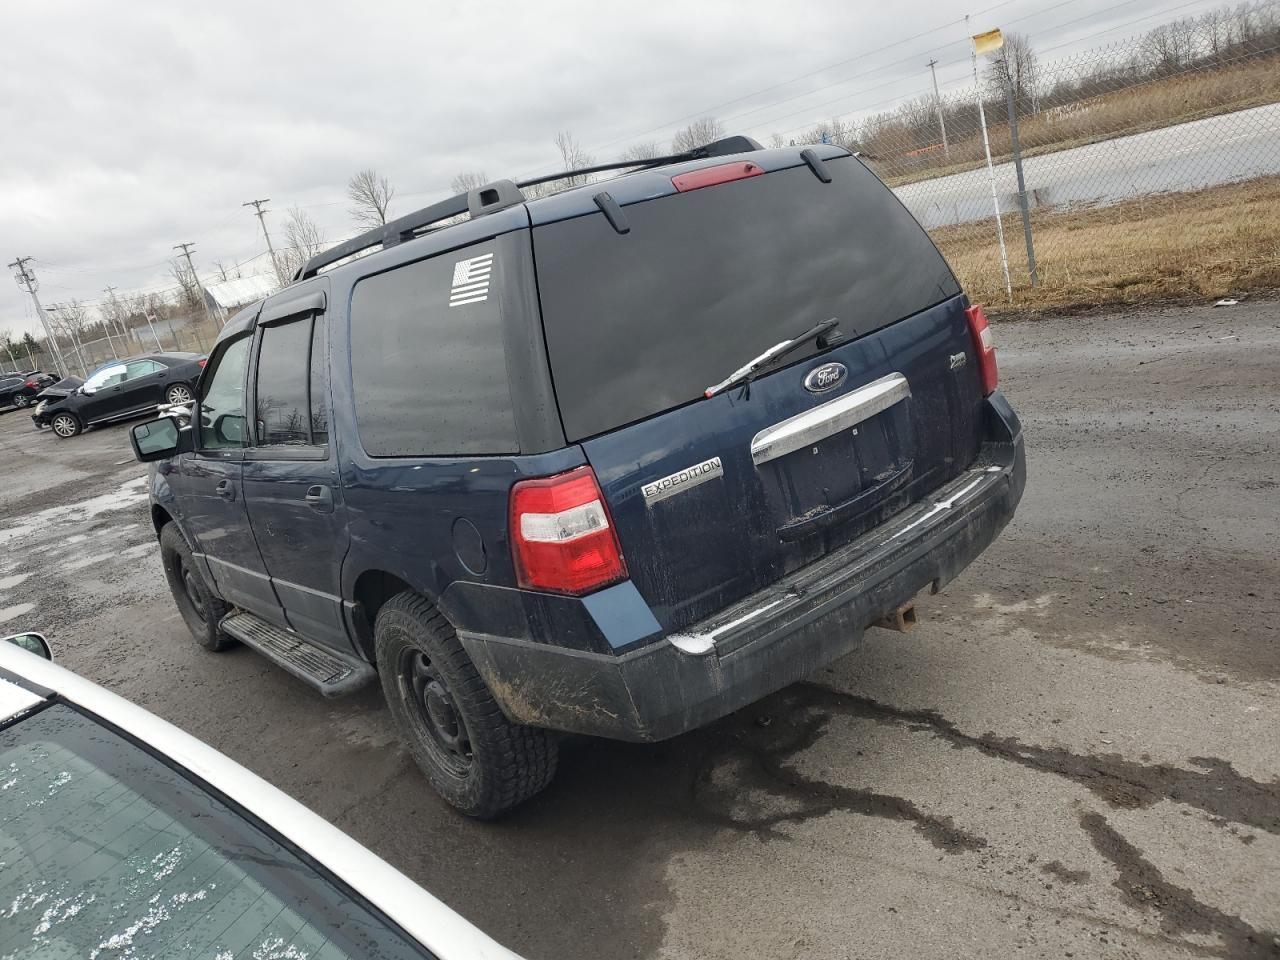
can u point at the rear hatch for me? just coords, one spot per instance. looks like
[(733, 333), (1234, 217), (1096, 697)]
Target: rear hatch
[(716, 498)]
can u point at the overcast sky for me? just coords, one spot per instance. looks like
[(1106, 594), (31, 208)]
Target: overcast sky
[(131, 126)]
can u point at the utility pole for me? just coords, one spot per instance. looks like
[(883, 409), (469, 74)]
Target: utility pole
[(937, 103), (257, 206), (204, 300), (27, 281)]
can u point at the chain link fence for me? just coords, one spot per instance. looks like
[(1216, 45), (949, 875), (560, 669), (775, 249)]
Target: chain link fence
[(1150, 168)]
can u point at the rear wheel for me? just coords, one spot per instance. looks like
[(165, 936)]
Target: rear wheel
[(66, 425), (178, 393), (477, 759), (20, 400), (201, 610)]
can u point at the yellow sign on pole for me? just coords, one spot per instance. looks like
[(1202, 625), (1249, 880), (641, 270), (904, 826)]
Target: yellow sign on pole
[(988, 42)]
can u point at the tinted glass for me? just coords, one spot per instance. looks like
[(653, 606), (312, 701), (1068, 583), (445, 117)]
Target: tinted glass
[(319, 384), (427, 358), (141, 368), (283, 378), (109, 853), (710, 279), (222, 404)]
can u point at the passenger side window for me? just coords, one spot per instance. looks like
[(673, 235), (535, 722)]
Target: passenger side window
[(428, 358), (292, 384), (222, 423)]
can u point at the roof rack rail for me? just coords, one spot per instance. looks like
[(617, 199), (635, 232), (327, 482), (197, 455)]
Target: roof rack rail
[(493, 197)]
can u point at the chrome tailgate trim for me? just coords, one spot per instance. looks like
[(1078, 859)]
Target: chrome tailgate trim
[(796, 433)]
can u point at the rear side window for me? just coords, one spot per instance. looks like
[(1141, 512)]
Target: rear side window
[(706, 280), (427, 358)]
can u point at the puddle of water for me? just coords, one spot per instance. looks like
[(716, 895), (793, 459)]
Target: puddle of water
[(18, 610), (128, 494)]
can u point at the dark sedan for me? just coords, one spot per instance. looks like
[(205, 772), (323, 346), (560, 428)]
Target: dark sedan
[(122, 389), (20, 389)]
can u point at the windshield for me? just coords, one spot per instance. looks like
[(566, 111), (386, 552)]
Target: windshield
[(105, 852), (106, 377)]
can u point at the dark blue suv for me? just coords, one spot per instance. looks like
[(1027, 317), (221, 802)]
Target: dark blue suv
[(616, 461)]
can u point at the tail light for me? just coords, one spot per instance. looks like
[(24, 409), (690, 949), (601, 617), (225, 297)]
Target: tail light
[(561, 536), (31, 384), (986, 348), (711, 176), (201, 362)]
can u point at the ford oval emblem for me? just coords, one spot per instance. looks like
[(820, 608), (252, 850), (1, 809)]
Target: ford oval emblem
[(826, 377)]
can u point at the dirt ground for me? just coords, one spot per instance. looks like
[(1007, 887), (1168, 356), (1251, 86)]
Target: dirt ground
[(1077, 754)]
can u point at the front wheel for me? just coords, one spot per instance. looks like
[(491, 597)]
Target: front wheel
[(66, 425), (201, 610), (178, 393), (477, 759)]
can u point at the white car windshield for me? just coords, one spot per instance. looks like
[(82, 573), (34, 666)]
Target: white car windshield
[(107, 852)]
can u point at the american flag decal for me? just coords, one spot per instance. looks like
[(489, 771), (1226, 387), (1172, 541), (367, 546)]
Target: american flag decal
[(471, 280)]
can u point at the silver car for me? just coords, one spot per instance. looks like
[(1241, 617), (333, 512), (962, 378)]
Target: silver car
[(123, 837)]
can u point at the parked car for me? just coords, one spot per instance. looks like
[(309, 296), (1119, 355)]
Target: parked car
[(120, 390), (20, 390), (53, 393), (741, 412), (122, 835)]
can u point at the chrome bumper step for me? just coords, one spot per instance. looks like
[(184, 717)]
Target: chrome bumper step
[(328, 671)]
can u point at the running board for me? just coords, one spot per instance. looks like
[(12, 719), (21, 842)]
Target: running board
[(330, 672)]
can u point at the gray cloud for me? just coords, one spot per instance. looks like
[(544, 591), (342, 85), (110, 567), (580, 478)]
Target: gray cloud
[(129, 128)]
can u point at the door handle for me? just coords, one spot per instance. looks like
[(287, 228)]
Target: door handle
[(225, 490), (320, 499)]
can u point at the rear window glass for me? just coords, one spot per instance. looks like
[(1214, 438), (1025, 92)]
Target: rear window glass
[(427, 358), (704, 281), (108, 853)]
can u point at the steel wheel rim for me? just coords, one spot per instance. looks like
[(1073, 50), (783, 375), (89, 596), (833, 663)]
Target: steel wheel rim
[(433, 713), (64, 426), (179, 394)]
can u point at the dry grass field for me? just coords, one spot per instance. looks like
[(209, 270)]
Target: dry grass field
[(1173, 247), (1146, 106)]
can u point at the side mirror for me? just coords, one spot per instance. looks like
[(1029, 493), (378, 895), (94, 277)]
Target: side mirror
[(32, 643), (85, 391), (160, 440), (229, 428)]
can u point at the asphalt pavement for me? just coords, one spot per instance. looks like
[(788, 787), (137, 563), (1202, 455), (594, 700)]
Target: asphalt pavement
[(1076, 754), (1186, 156)]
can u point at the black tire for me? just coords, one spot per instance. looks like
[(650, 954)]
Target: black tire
[(175, 388), (201, 610), (20, 400), (482, 764), (65, 425)]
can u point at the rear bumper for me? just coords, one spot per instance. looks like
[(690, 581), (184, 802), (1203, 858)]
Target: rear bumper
[(772, 638)]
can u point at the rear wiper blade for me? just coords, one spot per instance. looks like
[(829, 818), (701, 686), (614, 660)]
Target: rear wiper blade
[(778, 350)]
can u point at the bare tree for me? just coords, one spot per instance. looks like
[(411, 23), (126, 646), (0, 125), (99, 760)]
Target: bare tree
[(642, 151), (1016, 67), (776, 140), (574, 157), (189, 295), (370, 194), (697, 134), (303, 239), (468, 180)]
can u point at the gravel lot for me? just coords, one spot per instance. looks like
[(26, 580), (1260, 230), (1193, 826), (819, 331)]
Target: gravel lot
[(1076, 754)]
